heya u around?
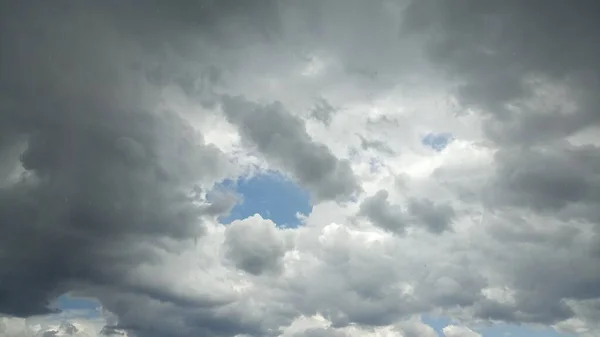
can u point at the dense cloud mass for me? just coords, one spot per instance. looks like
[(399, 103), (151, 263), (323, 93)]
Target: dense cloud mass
[(99, 168), (120, 119)]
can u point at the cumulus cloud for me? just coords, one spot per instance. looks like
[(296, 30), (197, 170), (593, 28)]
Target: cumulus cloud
[(118, 121), (315, 326), (459, 331), (254, 245), (414, 327)]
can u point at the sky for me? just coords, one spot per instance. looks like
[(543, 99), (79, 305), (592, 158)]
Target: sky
[(341, 168), (270, 195)]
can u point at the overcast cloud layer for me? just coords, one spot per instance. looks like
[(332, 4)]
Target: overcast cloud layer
[(118, 119)]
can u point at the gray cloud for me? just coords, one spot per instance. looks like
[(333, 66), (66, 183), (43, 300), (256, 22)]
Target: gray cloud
[(495, 49), (105, 174), (282, 138), (548, 179), (559, 267), (323, 111), (254, 245), (375, 144), (98, 178), (221, 201), (352, 282), (383, 214), (436, 218)]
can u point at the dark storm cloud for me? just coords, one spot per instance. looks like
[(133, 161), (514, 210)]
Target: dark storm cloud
[(283, 139), (94, 175), (105, 174)]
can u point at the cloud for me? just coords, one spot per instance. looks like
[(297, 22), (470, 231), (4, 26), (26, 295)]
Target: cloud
[(375, 144), (282, 138), (415, 328), (459, 331), (254, 245), (548, 179), (533, 82), (105, 172), (518, 70), (436, 218), (323, 111), (117, 122), (70, 323), (321, 332), (382, 213), (316, 326)]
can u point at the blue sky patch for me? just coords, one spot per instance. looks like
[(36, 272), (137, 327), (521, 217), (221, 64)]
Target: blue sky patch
[(437, 141), (67, 302), (437, 323), (271, 195)]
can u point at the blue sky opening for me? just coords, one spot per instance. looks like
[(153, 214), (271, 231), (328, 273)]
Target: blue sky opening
[(271, 195), (88, 306), (437, 141)]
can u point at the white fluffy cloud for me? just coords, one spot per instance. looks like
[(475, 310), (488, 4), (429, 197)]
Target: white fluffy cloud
[(459, 331), (117, 122), (71, 323)]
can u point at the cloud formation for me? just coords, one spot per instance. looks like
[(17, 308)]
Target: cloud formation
[(282, 137), (103, 173), (118, 121), (254, 245), (436, 218)]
